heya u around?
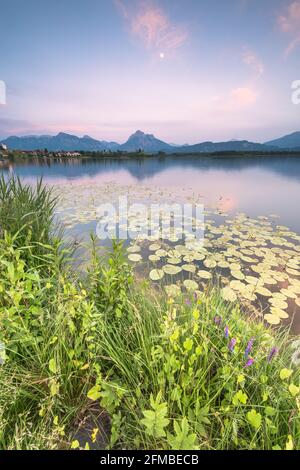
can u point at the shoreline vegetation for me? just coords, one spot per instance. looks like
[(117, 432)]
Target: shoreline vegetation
[(100, 359), (14, 156)]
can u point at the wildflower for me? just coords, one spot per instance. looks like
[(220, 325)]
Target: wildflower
[(273, 353), (232, 344), (249, 362), (226, 331), (249, 347), (188, 302), (217, 320)]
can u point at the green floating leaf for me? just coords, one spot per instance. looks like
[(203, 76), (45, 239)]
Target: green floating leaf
[(154, 247), (190, 268), (228, 294), (156, 274), (134, 249), (171, 269), (272, 319), (134, 257), (204, 274)]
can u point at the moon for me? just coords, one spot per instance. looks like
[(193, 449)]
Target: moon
[(162, 55)]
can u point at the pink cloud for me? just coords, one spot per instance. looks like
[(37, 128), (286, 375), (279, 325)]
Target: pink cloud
[(244, 96), (236, 99), (150, 24), (251, 59), (289, 23)]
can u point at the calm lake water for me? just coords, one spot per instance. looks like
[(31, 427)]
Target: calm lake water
[(256, 186), (254, 198)]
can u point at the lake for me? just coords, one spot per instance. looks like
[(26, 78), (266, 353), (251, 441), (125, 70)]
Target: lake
[(256, 186), (252, 224)]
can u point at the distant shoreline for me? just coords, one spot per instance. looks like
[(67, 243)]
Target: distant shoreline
[(11, 157)]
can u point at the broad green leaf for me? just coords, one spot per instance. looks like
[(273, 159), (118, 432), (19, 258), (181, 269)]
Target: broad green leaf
[(285, 373), (289, 445), (188, 344), (240, 397), (94, 393), (294, 390), (183, 439), (52, 366), (254, 419), (155, 420), (75, 444)]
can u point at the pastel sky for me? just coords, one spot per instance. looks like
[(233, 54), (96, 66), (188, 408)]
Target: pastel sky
[(184, 70)]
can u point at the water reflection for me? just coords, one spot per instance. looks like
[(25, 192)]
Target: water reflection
[(255, 185)]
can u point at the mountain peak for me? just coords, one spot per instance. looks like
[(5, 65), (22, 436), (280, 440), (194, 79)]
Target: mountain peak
[(146, 142), (138, 133), (287, 142)]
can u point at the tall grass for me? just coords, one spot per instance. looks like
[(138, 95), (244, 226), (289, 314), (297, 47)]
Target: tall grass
[(27, 214), (26, 210)]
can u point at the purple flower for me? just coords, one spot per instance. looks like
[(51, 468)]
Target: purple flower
[(195, 296), (226, 331), (218, 320), (249, 347), (188, 302), (249, 362), (273, 353), (232, 344)]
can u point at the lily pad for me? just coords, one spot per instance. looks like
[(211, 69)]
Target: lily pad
[(228, 294), (204, 274), (272, 319), (156, 274), (171, 269), (154, 247), (190, 268), (263, 291), (134, 257), (210, 263), (278, 303), (279, 313)]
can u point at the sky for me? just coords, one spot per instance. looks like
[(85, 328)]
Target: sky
[(186, 71)]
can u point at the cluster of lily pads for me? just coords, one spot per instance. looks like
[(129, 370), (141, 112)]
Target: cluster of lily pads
[(254, 260)]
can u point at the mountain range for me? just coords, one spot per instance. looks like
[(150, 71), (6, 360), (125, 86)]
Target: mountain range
[(145, 142)]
